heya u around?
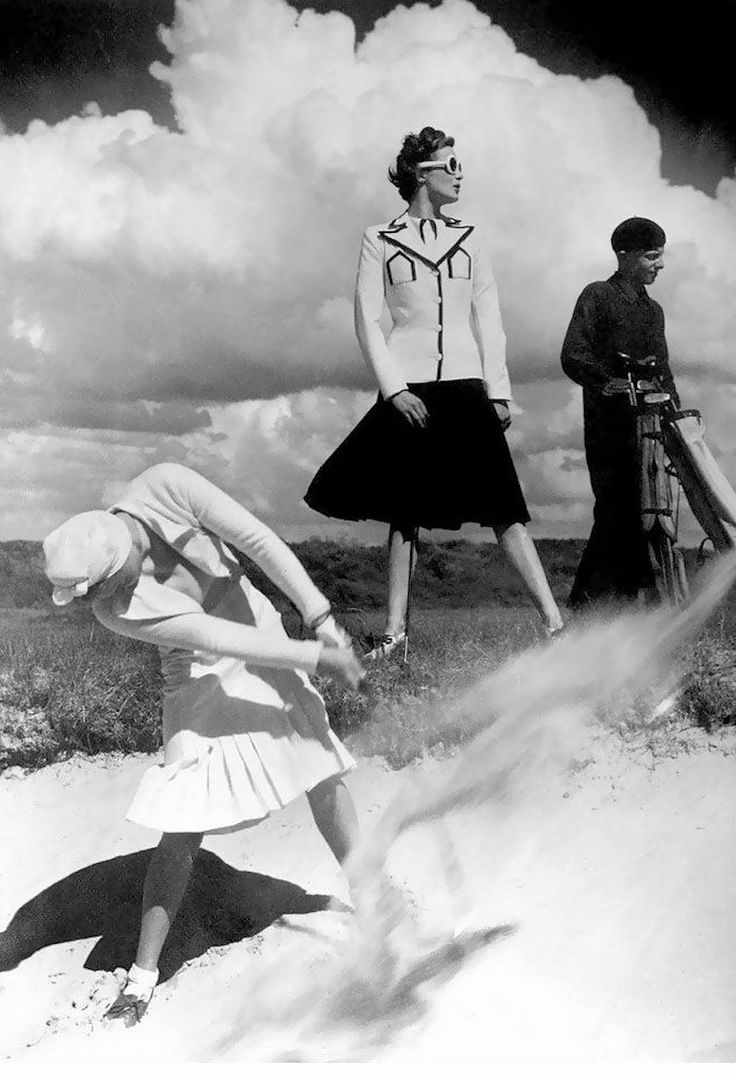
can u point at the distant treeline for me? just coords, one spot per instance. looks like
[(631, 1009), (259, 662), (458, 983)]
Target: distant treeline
[(22, 582), (449, 574)]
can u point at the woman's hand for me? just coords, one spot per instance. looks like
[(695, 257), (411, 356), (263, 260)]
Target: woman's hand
[(504, 413), (332, 634), (411, 407), (340, 664)]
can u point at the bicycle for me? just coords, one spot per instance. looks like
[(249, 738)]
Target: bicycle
[(660, 505)]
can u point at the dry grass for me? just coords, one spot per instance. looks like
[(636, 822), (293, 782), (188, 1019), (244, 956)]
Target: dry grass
[(68, 687), (398, 716)]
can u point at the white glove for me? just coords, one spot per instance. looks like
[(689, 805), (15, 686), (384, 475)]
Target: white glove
[(331, 634)]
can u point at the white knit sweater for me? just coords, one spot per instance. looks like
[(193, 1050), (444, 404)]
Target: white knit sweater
[(196, 519)]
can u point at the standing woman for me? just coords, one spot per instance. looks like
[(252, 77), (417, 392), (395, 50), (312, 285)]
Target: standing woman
[(244, 731), (431, 452)]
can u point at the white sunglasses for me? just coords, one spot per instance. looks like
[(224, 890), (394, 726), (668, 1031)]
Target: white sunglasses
[(451, 165)]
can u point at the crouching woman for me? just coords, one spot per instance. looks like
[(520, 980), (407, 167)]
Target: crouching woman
[(244, 730)]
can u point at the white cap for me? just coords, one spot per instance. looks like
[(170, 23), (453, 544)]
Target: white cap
[(87, 548)]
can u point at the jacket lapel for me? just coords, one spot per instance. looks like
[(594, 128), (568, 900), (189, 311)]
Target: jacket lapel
[(400, 233)]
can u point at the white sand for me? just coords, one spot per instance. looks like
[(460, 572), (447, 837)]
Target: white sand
[(619, 879)]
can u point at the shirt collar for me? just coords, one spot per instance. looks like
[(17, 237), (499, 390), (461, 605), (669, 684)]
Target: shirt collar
[(629, 291), (427, 227)]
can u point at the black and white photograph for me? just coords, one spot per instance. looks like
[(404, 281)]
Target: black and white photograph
[(368, 533)]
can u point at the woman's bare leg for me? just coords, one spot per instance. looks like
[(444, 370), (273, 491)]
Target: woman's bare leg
[(334, 813), (399, 562), (519, 547), (168, 873)]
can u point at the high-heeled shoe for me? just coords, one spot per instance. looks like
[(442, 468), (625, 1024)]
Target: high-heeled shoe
[(385, 646)]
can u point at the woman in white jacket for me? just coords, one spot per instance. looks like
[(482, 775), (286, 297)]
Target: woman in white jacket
[(431, 452), (244, 731)]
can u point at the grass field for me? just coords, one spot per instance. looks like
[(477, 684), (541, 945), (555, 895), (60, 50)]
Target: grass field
[(69, 686)]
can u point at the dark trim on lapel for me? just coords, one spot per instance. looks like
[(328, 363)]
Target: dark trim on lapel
[(394, 226), (390, 238), (467, 229), (398, 225)]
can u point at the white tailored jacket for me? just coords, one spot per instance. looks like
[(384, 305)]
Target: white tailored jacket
[(443, 301)]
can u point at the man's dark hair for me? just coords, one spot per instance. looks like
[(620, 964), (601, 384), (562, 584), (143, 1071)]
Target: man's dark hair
[(416, 148), (637, 234)]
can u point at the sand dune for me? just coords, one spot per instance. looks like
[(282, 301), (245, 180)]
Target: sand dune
[(603, 899)]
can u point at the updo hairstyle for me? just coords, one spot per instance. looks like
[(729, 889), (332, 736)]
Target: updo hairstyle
[(416, 148)]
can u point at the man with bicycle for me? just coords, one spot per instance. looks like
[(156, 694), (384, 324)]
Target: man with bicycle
[(615, 321)]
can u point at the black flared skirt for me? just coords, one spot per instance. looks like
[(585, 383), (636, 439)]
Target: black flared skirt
[(456, 470)]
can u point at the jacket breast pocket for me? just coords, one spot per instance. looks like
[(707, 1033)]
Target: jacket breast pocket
[(401, 269), (460, 264)]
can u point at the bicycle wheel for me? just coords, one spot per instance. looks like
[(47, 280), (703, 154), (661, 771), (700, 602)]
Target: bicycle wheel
[(681, 573), (672, 578)]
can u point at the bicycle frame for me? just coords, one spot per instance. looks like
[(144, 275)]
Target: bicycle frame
[(659, 506)]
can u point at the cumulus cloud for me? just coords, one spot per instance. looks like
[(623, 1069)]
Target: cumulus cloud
[(190, 291)]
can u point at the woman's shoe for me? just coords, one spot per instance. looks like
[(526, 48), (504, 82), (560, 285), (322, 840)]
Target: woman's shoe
[(135, 996), (129, 1009), (386, 645)]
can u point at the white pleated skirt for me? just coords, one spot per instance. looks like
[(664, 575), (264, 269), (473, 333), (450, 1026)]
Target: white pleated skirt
[(240, 741)]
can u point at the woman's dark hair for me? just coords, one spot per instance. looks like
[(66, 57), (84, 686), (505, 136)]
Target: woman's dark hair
[(416, 148)]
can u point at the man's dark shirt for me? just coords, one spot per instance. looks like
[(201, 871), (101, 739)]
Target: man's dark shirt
[(612, 316)]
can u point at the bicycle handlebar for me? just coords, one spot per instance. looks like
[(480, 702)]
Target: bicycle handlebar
[(641, 391)]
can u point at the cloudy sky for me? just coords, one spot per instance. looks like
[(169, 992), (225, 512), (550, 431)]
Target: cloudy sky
[(180, 216)]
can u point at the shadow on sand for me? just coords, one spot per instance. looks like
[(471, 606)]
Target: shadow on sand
[(222, 905)]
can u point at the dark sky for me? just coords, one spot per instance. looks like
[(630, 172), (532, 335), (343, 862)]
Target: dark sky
[(56, 55)]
